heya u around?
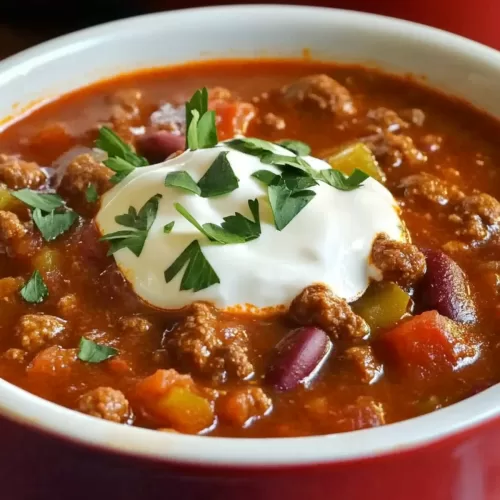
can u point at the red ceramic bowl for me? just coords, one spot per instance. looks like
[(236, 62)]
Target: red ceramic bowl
[(52, 452)]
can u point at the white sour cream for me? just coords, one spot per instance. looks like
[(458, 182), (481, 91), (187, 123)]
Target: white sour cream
[(329, 241)]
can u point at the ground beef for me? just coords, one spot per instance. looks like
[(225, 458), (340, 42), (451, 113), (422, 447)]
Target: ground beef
[(364, 413), (204, 344), (83, 171), (317, 306), (17, 173), (10, 226), (431, 188), (15, 355), (68, 306), (54, 361), (243, 406), (387, 119), (9, 288), (106, 403), (319, 91), (414, 115), (134, 324), (480, 216), (399, 262), (273, 121), (362, 359), (125, 112), (37, 330), (394, 149)]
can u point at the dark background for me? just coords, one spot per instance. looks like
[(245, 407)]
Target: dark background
[(26, 22)]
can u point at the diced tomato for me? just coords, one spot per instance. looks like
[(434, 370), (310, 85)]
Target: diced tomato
[(428, 344), (232, 118)]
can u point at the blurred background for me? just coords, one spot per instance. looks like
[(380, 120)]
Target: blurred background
[(26, 22)]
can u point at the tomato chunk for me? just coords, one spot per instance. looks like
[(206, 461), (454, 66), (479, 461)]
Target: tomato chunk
[(429, 344)]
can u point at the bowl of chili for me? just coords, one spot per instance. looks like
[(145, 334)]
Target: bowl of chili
[(282, 350)]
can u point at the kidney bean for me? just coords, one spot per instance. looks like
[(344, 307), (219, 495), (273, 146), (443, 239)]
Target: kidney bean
[(445, 289), (159, 145), (297, 356)]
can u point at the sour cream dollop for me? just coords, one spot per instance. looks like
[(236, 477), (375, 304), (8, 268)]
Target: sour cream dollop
[(329, 241)]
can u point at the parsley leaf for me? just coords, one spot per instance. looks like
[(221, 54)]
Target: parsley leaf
[(219, 178), (211, 231), (265, 176), (134, 239), (53, 224), (167, 228), (181, 179), (35, 290), (251, 146), (339, 181), (91, 352), (121, 157), (297, 147), (199, 274), (44, 201), (201, 131), (91, 194), (243, 227), (286, 203)]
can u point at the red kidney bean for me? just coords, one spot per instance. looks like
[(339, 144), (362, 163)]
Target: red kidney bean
[(445, 289), (296, 357), (159, 145)]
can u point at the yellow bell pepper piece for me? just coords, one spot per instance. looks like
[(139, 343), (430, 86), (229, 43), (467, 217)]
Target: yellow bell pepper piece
[(7, 201), (356, 156), (382, 305), (185, 411), (47, 260)]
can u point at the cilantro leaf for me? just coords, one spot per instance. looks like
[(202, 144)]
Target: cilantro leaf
[(201, 131), (167, 228), (91, 194), (265, 176), (44, 201), (134, 239), (339, 181), (121, 158), (181, 179), (298, 147), (297, 181), (286, 203), (211, 231), (251, 146), (199, 274), (35, 290), (53, 224), (91, 352), (219, 178)]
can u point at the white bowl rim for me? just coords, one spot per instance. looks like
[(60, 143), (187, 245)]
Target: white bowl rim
[(32, 411)]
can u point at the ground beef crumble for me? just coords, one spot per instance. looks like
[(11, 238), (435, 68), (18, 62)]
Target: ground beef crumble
[(479, 215), (317, 306), (399, 262), (18, 174), (10, 226), (38, 330), (431, 188), (319, 92), (363, 360), (106, 403), (201, 344)]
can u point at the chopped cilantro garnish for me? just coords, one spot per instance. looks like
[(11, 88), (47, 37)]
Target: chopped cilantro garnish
[(91, 352), (201, 131), (35, 290), (251, 146), (121, 158), (53, 224), (287, 203), (199, 274), (44, 201), (91, 194), (181, 179), (339, 181), (243, 227), (219, 178), (297, 147), (167, 228), (134, 239), (265, 176)]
